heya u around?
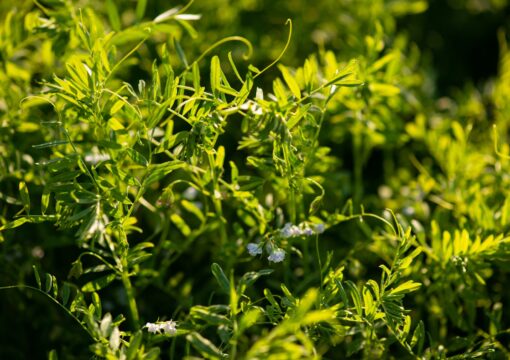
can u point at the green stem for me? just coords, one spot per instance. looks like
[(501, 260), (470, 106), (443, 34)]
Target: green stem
[(133, 310), (319, 261), (292, 206), (358, 167), (233, 342), (217, 201)]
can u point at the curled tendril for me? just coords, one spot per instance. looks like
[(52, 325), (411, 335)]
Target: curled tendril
[(289, 23), (247, 54)]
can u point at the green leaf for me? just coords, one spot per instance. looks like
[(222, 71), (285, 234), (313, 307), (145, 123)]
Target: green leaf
[(418, 338), (220, 158), (180, 224), (113, 14), (343, 294), (205, 347), (76, 269), (180, 52), (349, 83), (298, 115), (407, 287), (380, 63), (208, 315), (227, 90), (368, 301), (66, 293), (45, 200), (195, 69), (249, 278), (137, 157), (221, 278), (50, 144), (356, 297), (99, 283), (192, 208), (409, 259), (215, 74), (384, 89), (317, 316), (158, 171), (134, 345), (97, 306), (269, 296), (15, 223), (48, 282), (37, 277), (141, 5), (290, 81), (249, 319), (116, 107), (53, 355), (343, 73), (25, 197)]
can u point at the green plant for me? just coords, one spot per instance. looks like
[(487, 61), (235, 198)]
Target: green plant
[(204, 202)]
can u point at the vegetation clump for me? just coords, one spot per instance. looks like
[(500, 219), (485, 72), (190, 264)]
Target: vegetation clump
[(301, 189)]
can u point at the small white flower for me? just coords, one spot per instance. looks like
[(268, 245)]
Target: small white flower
[(168, 327), (256, 110), (254, 249), (277, 256), (152, 328), (93, 159)]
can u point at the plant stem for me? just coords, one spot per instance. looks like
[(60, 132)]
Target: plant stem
[(217, 201), (292, 207), (358, 166), (133, 310)]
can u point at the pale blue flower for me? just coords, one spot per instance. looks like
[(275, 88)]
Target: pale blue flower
[(190, 193), (319, 228), (254, 249), (290, 230), (277, 256), (308, 232)]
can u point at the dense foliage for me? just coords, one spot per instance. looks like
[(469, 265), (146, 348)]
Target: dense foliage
[(251, 180)]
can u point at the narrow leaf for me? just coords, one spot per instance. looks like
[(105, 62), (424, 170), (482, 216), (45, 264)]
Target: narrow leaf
[(290, 81), (37, 277), (141, 5), (205, 347), (407, 287), (221, 278), (25, 197), (48, 283), (113, 14), (99, 283), (180, 52)]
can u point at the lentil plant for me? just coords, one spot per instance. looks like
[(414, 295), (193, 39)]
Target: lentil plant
[(172, 190)]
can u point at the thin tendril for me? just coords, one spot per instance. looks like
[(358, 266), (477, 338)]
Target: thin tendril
[(245, 41), (288, 22)]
